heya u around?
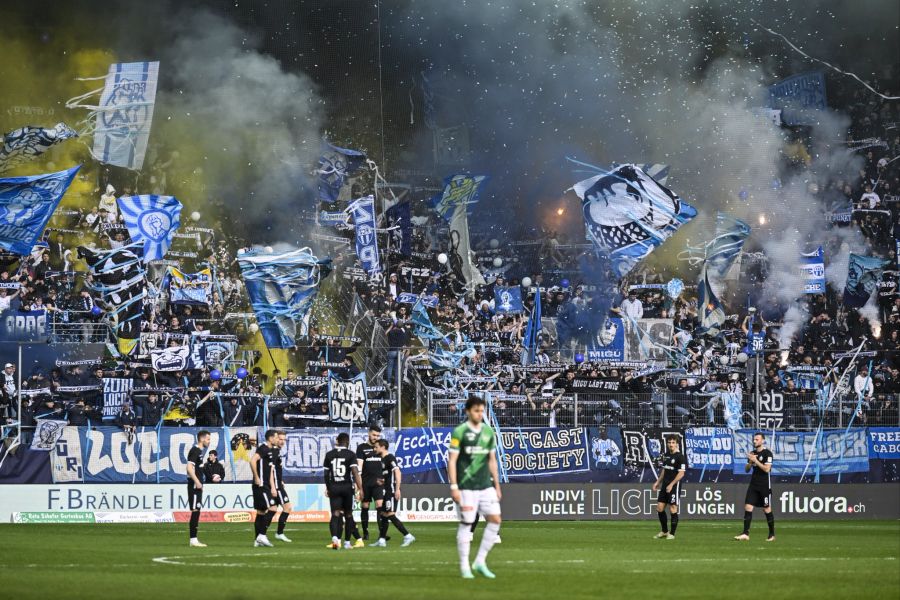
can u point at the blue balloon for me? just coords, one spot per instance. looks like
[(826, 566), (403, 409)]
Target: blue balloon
[(565, 283), (743, 194), (579, 358), (241, 372), (96, 311), (215, 374)]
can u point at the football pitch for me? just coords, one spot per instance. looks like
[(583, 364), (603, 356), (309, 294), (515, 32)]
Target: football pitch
[(834, 559)]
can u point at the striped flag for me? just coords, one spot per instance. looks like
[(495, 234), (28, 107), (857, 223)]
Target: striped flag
[(152, 222)]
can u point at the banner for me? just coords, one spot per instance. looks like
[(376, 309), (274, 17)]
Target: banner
[(46, 433), (508, 300), (421, 449), (721, 252), (189, 288), (643, 447), (335, 165), (305, 449), (348, 400), (211, 353), (610, 342), (27, 326), (712, 313), (452, 205), (119, 279), (627, 215), (26, 205), (399, 221), (363, 211), (607, 449), (884, 442), (799, 98), (545, 451), (152, 222), (282, 289), (825, 452), (648, 339), (429, 301), (25, 143), (708, 448), (812, 271), (116, 392), (863, 274), (125, 114), (170, 359)]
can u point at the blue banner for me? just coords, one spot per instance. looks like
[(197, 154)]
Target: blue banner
[(884, 442), (825, 452), (458, 190), (189, 288), (26, 205), (607, 449), (282, 289), (610, 342), (26, 143), (422, 449), (152, 222), (708, 448), (799, 98), (363, 211), (399, 220), (20, 326), (812, 270), (508, 300), (408, 298), (335, 165), (535, 452), (863, 274), (305, 449), (721, 252)]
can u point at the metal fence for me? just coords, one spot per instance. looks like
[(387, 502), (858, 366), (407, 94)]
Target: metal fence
[(77, 327), (773, 410)]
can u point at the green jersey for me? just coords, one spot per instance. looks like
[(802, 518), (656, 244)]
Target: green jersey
[(474, 447)]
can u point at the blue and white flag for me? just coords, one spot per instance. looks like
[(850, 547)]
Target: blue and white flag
[(800, 98), (282, 289), (335, 165), (152, 222), (531, 338), (731, 234), (508, 300), (422, 326), (627, 215), (363, 211), (712, 314), (26, 204), (408, 298), (656, 171), (399, 221), (459, 190), (812, 270), (862, 279), (26, 143), (125, 114)]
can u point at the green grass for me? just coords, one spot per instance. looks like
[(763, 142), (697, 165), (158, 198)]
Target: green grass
[(536, 560)]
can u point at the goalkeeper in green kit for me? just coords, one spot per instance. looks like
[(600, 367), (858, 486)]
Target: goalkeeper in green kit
[(475, 486)]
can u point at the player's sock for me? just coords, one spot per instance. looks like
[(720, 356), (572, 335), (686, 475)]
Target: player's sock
[(282, 521), (463, 543), (663, 520), (257, 524), (335, 526), (350, 528), (674, 523), (364, 518), (399, 525), (195, 521), (770, 521), (491, 533), (383, 524), (748, 516), (267, 520)]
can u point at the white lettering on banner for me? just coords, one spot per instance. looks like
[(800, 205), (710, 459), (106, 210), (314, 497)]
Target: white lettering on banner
[(771, 411), (709, 502), (559, 503), (122, 458)]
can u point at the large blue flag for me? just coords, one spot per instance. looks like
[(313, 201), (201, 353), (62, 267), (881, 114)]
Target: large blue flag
[(862, 279), (712, 314), (812, 270), (152, 222), (335, 165), (26, 204), (627, 215), (731, 234), (532, 331), (282, 289), (458, 190), (399, 217), (363, 211), (422, 326), (508, 300), (125, 114), (25, 143)]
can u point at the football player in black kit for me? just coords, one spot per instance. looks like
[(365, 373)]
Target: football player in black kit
[(195, 485), (391, 478), (265, 487), (669, 485), (341, 472), (369, 464), (759, 493), (283, 499)]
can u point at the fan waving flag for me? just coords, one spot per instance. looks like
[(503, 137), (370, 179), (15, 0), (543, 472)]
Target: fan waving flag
[(25, 143), (125, 114), (712, 314), (335, 165), (731, 234), (26, 205), (459, 190), (863, 275), (532, 334), (152, 222), (627, 215)]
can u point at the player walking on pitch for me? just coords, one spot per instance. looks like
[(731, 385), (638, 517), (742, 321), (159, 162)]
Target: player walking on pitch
[(391, 479), (475, 486), (265, 487), (283, 499), (669, 485), (194, 485), (759, 492), (341, 472)]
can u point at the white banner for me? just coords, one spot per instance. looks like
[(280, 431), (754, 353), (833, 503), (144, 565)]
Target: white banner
[(46, 433)]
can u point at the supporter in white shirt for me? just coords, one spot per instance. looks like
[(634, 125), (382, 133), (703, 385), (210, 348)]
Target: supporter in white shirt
[(862, 384), (632, 306), (108, 201), (869, 199)]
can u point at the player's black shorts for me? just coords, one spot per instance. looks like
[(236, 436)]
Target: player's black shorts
[(667, 498), (282, 495), (195, 497), (341, 499), (372, 491), (757, 496), (262, 498)]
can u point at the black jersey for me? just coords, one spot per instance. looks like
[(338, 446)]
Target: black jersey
[(195, 456), (388, 464), (266, 465), (760, 478), (673, 462), (371, 470), (339, 464), (276, 463)]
